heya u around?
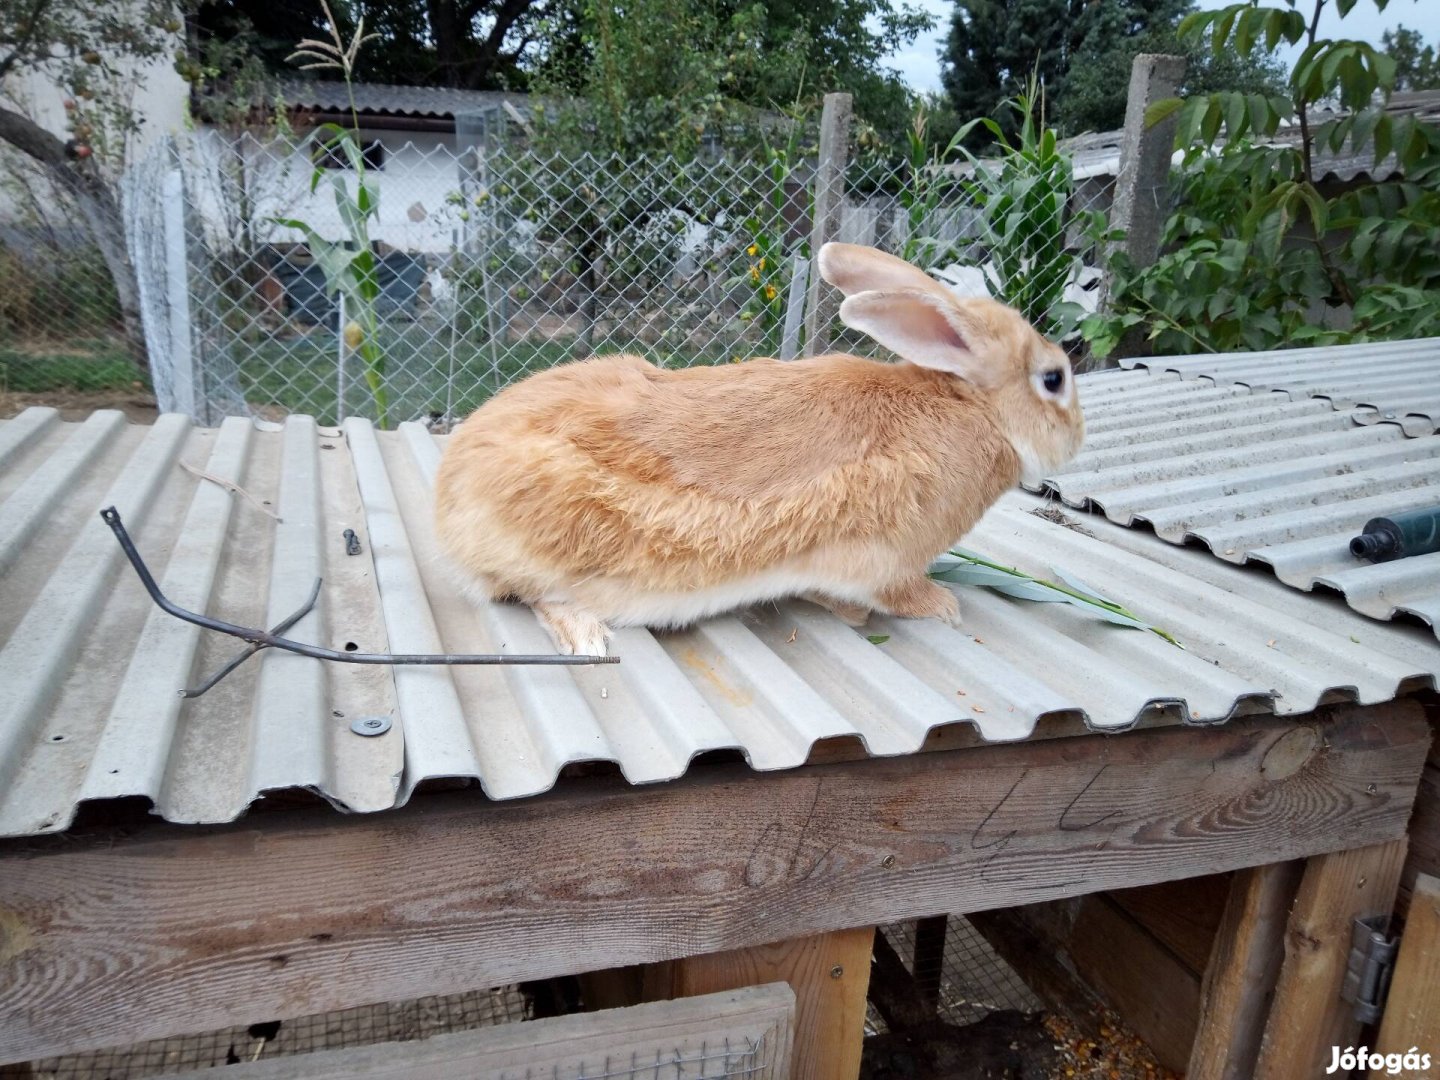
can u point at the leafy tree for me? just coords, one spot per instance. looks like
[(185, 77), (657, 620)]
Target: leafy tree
[(1258, 245), (1417, 67), (1081, 50), (92, 51), (473, 44)]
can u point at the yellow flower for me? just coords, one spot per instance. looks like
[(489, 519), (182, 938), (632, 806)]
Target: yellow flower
[(753, 250), (769, 292), (354, 335), (762, 264), (754, 275)]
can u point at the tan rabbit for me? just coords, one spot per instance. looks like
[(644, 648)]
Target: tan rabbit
[(610, 492)]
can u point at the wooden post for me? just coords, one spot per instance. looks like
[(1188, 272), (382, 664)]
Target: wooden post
[(830, 974), (930, 956), (1412, 1014), (1308, 1017), (1240, 978), (795, 308), (185, 395), (824, 300)]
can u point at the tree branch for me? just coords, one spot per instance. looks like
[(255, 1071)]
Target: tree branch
[(31, 139), (26, 40)]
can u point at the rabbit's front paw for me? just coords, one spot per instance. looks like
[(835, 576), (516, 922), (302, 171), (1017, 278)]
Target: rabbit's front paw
[(921, 598), (575, 631)]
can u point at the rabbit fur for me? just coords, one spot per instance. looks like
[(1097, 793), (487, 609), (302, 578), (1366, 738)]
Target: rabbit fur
[(609, 492)]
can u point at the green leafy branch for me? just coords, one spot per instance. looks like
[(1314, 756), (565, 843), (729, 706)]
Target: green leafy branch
[(970, 568)]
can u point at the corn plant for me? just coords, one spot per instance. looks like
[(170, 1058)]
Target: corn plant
[(1024, 202), (349, 263)]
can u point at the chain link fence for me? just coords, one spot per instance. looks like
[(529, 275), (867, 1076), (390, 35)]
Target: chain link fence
[(61, 330), (494, 262)]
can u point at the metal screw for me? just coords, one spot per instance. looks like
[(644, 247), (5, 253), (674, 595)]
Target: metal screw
[(836, 971), (1370, 789), (888, 861), (352, 542), (370, 725)]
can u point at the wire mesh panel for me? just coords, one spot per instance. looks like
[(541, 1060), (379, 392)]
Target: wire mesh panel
[(497, 260), (61, 328)]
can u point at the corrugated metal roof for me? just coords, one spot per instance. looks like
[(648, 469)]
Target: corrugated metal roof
[(1098, 153), (1259, 477), (438, 102), (91, 668), (1394, 380)]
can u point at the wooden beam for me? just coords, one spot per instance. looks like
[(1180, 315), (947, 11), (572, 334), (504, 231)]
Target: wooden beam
[(1151, 990), (829, 974), (1244, 966), (929, 965), (1424, 857), (1412, 1014), (1183, 915), (112, 939), (1031, 951), (1308, 1017)]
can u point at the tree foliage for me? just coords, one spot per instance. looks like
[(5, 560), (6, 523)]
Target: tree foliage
[(1417, 67), (91, 52), (1261, 253), (472, 44), (1081, 50)]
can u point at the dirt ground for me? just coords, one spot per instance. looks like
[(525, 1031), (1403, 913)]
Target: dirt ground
[(137, 405)]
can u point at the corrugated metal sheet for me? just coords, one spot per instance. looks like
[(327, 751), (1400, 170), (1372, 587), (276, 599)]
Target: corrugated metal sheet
[(436, 102), (1395, 381), (91, 668), (1259, 477)]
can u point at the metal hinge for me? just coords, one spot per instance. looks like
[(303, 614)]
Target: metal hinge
[(1371, 963)]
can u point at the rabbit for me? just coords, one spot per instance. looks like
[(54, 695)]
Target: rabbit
[(608, 492)]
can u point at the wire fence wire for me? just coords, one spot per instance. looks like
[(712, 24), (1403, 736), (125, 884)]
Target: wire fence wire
[(494, 262), (60, 323)]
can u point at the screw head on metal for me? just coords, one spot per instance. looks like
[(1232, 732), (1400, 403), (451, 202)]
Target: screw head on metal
[(888, 861), (836, 971), (370, 725)]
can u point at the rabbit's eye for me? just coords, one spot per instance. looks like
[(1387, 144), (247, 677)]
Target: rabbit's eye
[(1053, 380)]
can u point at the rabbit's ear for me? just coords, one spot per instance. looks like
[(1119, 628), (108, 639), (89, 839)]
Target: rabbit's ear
[(922, 328), (854, 269)]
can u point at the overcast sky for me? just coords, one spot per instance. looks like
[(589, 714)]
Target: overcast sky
[(920, 64)]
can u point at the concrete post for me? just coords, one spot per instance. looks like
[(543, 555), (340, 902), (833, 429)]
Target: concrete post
[(1145, 154), (1140, 205), (824, 300)]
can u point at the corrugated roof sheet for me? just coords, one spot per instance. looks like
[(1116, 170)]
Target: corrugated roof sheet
[(1395, 380), (1098, 153), (1275, 478), (437, 102), (91, 668)]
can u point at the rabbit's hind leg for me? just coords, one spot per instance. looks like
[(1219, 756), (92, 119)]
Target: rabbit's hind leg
[(575, 630), (846, 612)]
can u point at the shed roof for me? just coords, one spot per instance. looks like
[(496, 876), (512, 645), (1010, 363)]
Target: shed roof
[(1097, 154), (91, 668), (382, 99)]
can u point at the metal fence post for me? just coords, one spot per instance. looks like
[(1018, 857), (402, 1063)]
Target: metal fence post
[(185, 384), (824, 301), (1140, 205)]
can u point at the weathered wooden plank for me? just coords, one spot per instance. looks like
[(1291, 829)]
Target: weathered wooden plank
[(1156, 995), (1183, 915), (1308, 1017), (829, 974), (1240, 979), (1424, 856), (1412, 1013), (175, 929), (701, 1036)]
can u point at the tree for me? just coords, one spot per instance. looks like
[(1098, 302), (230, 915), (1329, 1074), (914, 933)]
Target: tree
[(1082, 51), (1417, 67), (90, 51), (471, 44)]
